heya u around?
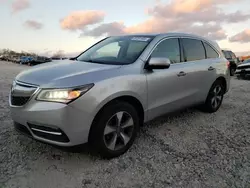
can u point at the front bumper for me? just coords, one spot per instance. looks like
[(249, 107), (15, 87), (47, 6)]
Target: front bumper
[(53, 123)]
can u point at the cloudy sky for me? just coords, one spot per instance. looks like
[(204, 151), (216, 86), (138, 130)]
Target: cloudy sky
[(46, 26)]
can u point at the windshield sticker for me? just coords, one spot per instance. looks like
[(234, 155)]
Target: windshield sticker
[(144, 39)]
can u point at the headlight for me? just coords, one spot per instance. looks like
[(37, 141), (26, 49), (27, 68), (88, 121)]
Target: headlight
[(62, 95)]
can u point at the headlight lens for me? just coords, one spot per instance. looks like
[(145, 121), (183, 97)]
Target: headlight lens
[(62, 95)]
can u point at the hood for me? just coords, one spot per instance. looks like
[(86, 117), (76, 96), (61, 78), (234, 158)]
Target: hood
[(65, 73)]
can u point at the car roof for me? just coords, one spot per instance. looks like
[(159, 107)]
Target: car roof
[(177, 34), (166, 34)]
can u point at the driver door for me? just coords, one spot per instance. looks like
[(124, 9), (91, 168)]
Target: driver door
[(168, 89)]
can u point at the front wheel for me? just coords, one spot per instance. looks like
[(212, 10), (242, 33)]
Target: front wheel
[(115, 129), (215, 97)]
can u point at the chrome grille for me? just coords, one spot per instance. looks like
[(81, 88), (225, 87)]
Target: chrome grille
[(21, 93)]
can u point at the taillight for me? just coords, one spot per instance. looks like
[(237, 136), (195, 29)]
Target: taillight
[(228, 64)]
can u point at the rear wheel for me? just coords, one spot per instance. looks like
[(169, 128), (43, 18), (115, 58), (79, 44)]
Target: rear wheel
[(114, 130), (215, 97), (232, 71)]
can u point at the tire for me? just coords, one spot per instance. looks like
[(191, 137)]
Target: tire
[(209, 105), (232, 71), (99, 138)]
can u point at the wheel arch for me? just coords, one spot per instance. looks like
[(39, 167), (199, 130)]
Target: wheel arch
[(132, 100), (224, 82)]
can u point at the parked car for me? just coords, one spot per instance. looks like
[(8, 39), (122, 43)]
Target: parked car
[(58, 58), (243, 70), (47, 59), (38, 60), (112, 88), (3, 58), (25, 59), (16, 59), (231, 57)]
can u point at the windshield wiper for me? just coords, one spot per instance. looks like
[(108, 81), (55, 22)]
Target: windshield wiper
[(91, 61), (103, 62), (73, 59)]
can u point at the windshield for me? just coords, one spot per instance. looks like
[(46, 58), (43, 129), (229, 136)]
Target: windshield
[(116, 50)]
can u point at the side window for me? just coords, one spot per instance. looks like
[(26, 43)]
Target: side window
[(194, 49), (211, 53), (168, 48)]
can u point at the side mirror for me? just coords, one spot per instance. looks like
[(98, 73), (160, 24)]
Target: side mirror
[(158, 63)]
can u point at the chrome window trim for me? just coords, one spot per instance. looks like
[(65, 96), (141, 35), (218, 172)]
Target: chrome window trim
[(181, 37)]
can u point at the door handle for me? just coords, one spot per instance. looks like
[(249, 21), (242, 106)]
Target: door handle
[(181, 74), (211, 68)]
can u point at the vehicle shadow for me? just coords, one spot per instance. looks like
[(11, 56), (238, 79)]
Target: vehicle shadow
[(78, 149), (85, 149)]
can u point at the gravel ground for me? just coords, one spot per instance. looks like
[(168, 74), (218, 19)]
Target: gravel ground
[(189, 149)]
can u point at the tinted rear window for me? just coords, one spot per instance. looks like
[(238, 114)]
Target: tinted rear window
[(194, 49), (211, 53), (227, 54), (233, 55)]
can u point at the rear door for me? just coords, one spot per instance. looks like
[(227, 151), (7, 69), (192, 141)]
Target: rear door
[(214, 65), (200, 69)]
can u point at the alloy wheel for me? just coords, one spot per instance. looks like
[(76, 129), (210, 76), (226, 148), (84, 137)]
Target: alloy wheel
[(118, 131), (217, 95)]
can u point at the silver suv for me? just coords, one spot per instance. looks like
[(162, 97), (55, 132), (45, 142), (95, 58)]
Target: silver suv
[(105, 94)]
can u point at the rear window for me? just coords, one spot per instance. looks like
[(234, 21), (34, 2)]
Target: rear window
[(194, 49), (211, 53), (227, 54), (233, 55)]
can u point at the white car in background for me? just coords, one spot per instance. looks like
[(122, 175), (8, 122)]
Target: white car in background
[(243, 70)]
